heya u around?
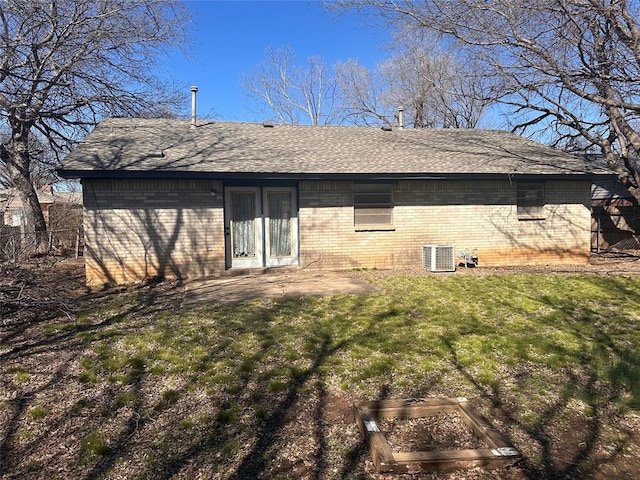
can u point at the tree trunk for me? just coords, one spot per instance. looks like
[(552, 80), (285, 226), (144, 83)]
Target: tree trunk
[(18, 162), (630, 176)]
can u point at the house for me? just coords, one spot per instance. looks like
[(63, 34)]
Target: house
[(13, 211), (169, 198), (62, 212)]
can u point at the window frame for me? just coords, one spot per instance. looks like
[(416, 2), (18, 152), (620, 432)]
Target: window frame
[(530, 200), (18, 218), (369, 197)]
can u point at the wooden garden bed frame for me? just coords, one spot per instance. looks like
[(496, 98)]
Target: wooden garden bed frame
[(499, 454)]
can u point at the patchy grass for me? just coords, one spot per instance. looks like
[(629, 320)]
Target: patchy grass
[(94, 444), (139, 387)]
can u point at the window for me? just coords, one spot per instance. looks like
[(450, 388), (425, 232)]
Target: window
[(372, 204), (16, 217), (530, 200)]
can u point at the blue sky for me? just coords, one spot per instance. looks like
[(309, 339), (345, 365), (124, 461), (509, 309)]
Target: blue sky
[(231, 37)]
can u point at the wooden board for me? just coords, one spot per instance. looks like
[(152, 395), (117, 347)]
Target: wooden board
[(499, 454)]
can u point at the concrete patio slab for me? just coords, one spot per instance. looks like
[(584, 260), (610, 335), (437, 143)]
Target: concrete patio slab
[(273, 284)]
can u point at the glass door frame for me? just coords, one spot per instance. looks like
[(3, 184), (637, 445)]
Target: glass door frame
[(258, 259), (292, 259), (261, 228)]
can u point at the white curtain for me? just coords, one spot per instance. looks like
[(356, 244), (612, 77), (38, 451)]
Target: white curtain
[(280, 224), (244, 235)]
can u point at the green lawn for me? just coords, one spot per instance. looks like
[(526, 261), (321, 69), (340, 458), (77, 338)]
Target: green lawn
[(136, 387)]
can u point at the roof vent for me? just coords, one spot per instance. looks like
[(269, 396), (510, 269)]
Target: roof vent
[(386, 128), (268, 124)]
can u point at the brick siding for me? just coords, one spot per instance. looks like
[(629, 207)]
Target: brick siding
[(137, 229), (465, 214)]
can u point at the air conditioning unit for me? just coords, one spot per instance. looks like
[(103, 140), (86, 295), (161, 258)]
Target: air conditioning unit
[(438, 258)]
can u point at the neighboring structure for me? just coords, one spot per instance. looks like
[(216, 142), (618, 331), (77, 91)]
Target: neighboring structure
[(62, 212), (13, 211), (162, 197), (615, 216)]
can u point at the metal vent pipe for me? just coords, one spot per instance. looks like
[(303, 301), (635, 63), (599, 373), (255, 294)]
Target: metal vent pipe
[(194, 91)]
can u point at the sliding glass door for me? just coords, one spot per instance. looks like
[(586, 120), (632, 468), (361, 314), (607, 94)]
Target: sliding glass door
[(262, 226)]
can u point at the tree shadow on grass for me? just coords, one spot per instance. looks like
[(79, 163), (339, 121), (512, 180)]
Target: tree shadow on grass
[(275, 390), (563, 435), (306, 386), (47, 350), (19, 409), (543, 431), (171, 453)]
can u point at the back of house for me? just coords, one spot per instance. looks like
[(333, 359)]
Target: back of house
[(167, 198)]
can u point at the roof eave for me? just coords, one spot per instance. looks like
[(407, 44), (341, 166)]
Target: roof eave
[(137, 174)]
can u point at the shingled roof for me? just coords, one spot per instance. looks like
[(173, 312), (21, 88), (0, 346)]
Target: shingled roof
[(167, 148)]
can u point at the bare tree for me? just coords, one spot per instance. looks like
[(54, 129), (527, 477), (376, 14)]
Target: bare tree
[(64, 64), (43, 161), (436, 88), (365, 95), (433, 86), (292, 93), (570, 68)]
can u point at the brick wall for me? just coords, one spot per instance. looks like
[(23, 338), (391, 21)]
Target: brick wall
[(136, 229), (465, 214)]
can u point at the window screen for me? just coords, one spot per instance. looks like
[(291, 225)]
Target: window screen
[(530, 200), (373, 203)]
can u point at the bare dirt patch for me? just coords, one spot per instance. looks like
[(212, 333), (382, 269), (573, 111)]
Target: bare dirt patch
[(446, 431)]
